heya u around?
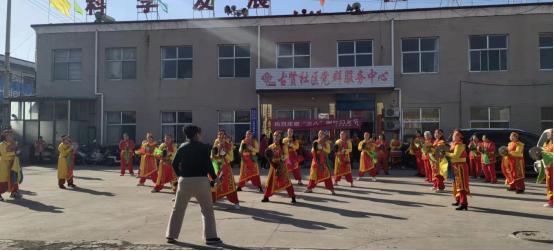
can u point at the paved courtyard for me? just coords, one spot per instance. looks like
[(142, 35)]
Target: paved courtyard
[(396, 212)]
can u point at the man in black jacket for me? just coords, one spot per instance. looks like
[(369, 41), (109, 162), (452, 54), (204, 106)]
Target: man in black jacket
[(192, 165)]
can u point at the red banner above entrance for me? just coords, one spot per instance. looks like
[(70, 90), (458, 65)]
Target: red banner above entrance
[(316, 124)]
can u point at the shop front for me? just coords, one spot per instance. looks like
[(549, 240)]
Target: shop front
[(331, 99)]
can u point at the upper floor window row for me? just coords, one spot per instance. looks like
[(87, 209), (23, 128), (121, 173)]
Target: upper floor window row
[(293, 55), (355, 53), (545, 51), (420, 55), (488, 53), (67, 64), (233, 61), (176, 62), (121, 63)]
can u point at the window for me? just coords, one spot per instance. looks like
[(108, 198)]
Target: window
[(545, 51), (67, 64), (293, 55), (546, 118), (355, 53), (121, 63), (420, 55), (173, 123), (489, 117), (423, 119), (119, 123), (293, 114), (234, 61), (235, 123), (488, 53), (177, 62)]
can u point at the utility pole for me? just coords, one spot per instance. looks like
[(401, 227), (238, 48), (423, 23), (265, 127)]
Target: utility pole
[(7, 78)]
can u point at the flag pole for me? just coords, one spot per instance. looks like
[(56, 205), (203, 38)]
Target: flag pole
[(74, 13), (48, 11)]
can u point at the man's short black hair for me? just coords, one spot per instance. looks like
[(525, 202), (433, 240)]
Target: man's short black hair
[(191, 131)]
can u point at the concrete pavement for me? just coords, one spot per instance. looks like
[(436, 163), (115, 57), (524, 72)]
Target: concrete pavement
[(396, 212)]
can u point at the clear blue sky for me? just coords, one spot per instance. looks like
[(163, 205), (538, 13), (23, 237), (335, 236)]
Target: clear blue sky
[(28, 12)]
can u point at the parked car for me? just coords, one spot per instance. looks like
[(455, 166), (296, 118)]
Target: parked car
[(501, 137), (537, 164)]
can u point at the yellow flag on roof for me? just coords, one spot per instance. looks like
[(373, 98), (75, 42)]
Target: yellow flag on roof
[(62, 6), (78, 9)]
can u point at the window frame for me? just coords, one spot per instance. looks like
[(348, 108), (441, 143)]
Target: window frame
[(119, 60), (355, 54), (121, 124), (67, 62), (293, 54), (176, 59), (419, 52), (176, 123), (550, 121), (542, 48), (234, 123), (489, 121), (420, 120), (488, 49), (234, 61), (294, 112)]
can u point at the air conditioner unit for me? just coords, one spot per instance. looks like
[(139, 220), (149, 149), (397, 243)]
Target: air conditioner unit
[(392, 112), (392, 125)]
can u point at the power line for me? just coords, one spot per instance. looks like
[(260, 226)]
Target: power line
[(45, 7), (39, 7)]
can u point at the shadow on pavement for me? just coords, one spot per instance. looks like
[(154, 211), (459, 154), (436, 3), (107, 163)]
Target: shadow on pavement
[(409, 192), (200, 247), (363, 190), (87, 178), (345, 212), (90, 191), (283, 218), (394, 202), (36, 206), (28, 193), (507, 197), (318, 199), (509, 213)]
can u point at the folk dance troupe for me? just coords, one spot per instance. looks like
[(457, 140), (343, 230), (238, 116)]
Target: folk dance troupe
[(331, 162)]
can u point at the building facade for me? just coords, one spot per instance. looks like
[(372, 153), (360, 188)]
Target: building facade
[(391, 71), (22, 81)]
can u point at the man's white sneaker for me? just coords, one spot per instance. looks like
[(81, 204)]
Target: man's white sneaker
[(237, 206), (547, 205)]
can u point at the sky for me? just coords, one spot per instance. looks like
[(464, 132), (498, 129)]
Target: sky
[(28, 12)]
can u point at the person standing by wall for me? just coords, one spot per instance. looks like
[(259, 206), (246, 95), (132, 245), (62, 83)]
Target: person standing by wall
[(343, 165), (148, 167), (516, 163), (166, 153), (40, 144), (192, 165), (249, 170), (278, 177), (126, 152), (10, 168), (488, 159), (293, 158), (263, 146), (547, 148), (474, 157), (66, 160)]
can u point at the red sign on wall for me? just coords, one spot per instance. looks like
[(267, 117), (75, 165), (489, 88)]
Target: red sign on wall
[(316, 124)]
